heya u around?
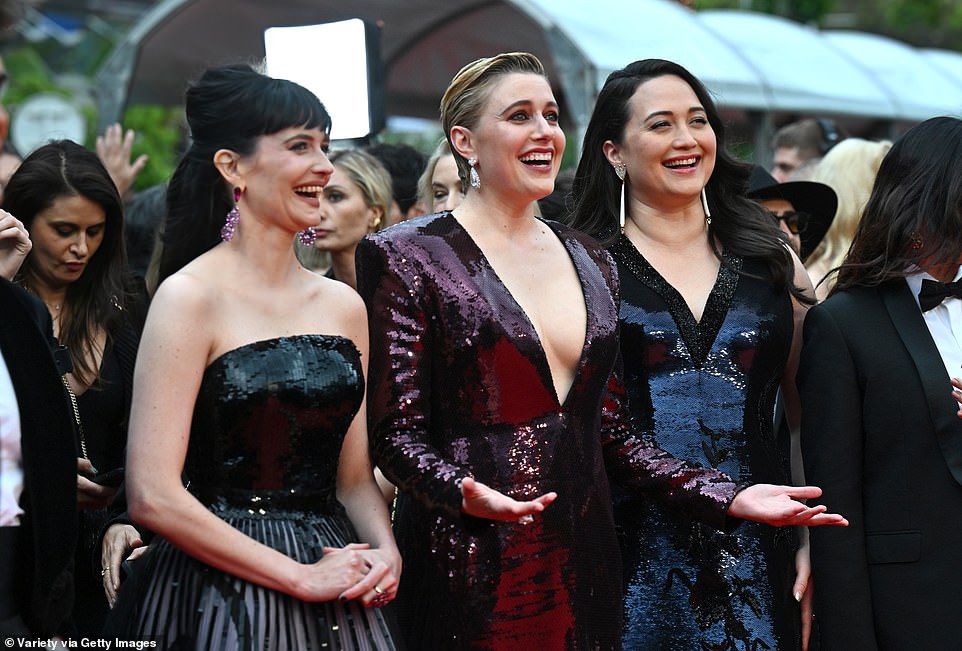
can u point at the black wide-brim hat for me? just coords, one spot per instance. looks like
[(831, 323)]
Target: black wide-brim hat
[(817, 200)]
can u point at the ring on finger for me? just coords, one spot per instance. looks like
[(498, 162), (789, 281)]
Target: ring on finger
[(378, 589), (105, 571)]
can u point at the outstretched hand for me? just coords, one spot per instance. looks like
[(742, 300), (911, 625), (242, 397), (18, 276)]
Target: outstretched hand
[(777, 506), (483, 501)]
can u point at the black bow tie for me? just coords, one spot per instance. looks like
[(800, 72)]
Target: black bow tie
[(934, 292)]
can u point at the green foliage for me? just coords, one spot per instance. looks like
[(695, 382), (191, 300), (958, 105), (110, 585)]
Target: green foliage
[(159, 130)]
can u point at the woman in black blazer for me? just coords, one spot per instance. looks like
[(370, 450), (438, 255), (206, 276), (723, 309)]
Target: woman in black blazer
[(880, 433)]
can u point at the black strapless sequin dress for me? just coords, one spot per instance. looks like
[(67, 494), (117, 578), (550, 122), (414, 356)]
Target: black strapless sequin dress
[(705, 391), (265, 440)]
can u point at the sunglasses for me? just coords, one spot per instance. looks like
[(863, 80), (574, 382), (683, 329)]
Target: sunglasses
[(795, 221)]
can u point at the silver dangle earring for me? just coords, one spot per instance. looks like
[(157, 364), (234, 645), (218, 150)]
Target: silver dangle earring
[(621, 170), (704, 204), (233, 218), (473, 176), (307, 236)]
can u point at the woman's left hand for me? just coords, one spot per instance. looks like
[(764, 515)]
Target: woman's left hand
[(802, 591), (383, 567), (777, 506), (120, 541)]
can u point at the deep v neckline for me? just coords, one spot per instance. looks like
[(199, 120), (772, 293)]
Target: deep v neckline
[(548, 377), (698, 336)]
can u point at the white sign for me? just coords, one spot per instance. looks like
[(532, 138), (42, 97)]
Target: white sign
[(45, 117), (330, 60)]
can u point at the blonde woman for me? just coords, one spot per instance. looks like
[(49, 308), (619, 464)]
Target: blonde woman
[(850, 169), (354, 204), (440, 188)]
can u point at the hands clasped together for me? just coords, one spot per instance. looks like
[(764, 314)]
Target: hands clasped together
[(355, 571)]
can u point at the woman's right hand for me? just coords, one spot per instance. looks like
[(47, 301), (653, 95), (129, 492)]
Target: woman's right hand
[(120, 542), (483, 501)]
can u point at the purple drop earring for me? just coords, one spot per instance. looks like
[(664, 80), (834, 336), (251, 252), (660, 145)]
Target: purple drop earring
[(233, 217)]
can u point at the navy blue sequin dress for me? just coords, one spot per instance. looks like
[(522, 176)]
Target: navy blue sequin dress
[(460, 385), (705, 391), (265, 441)]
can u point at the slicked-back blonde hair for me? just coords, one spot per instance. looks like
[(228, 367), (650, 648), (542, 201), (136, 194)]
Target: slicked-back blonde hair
[(464, 99)]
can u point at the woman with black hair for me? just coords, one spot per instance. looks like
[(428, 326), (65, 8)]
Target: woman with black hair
[(70, 206), (879, 427), (712, 298), (250, 380)]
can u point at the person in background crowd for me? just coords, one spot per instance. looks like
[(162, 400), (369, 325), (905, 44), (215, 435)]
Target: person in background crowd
[(804, 210), (250, 380), (440, 186), (849, 169), (77, 267), (880, 431), (495, 401), (405, 164), (354, 203), (798, 143), (38, 493), (712, 302)]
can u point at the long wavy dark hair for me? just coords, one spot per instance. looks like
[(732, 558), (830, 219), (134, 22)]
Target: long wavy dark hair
[(229, 107), (913, 218), (739, 225), (98, 297)]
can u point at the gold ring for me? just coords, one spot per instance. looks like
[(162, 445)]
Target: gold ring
[(378, 590)]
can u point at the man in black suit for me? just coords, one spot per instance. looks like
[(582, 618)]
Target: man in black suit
[(880, 430), (39, 469)]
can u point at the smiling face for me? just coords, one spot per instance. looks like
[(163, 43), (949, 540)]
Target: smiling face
[(668, 145), (345, 216), (446, 192), (284, 177), (518, 141), (65, 236)]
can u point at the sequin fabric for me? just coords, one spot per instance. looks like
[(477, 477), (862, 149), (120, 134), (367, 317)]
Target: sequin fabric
[(460, 385), (705, 391), (265, 439)]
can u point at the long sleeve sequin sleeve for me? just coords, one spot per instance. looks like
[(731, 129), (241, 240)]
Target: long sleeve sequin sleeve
[(399, 378)]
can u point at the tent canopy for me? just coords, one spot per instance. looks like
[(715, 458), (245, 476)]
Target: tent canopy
[(748, 60)]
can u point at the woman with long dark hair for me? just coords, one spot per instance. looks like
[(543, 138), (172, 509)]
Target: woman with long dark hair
[(712, 300), (879, 428), (70, 206)]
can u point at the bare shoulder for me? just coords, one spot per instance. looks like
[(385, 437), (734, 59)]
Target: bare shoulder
[(337, 301)]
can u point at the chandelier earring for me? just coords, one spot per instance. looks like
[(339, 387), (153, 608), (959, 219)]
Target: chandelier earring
[(307, 236), (704, 204), (473, 177), (233, 218), (621, 170)]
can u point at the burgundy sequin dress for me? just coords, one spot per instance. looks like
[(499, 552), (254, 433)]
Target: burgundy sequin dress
[(264, 446), (460, 385)]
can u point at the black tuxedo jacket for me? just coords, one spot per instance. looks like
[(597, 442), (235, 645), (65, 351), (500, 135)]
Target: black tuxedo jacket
[(49, 500), (881, 437)]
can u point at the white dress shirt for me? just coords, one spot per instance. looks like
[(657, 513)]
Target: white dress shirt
[(945, 324), (11, 467)]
